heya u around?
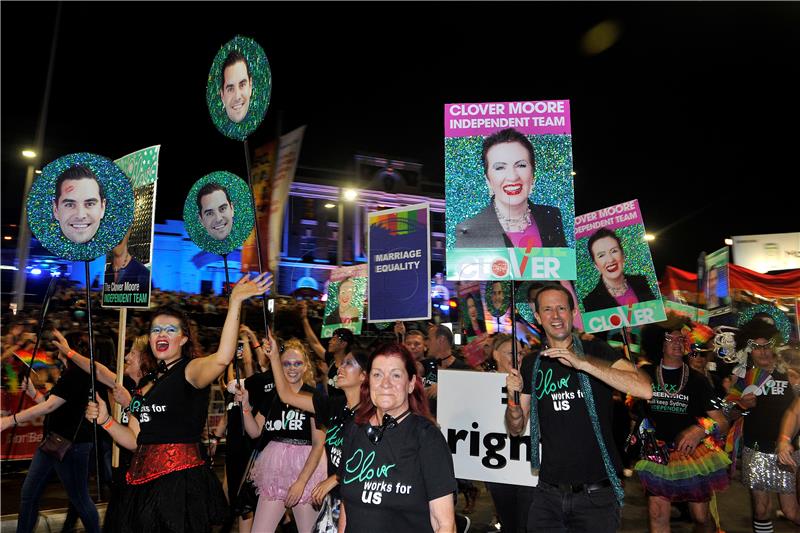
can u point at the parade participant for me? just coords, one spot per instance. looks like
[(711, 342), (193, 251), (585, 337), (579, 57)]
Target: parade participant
[(124, 268), (331, 413), (339, 345), (236, 86), (573, 380), (397, 471), (511, 219), (440, 355), (169, 486), (63, 411), (289, 468), (512, 502), (686, 420), (761, 471), (698, 359), (615, 288)]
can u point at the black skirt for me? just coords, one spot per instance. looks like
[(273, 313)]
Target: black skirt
[(186, 501)]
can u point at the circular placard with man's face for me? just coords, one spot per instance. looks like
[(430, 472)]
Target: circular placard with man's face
[(80, 207), (238, 89), (218, 212), (498, 297)]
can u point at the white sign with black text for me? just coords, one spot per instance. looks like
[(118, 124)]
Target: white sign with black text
[(471, 412)]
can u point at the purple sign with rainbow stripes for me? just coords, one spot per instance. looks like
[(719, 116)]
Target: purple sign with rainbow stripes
[(399, 264)]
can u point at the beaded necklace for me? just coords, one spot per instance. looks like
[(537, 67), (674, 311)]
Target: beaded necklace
[(684, 379)]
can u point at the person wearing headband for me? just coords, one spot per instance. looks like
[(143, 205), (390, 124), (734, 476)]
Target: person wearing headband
[(396, 472), (761, 471), (686, 418)]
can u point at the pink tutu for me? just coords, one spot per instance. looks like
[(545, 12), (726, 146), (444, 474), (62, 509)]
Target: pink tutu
[(279, 465)]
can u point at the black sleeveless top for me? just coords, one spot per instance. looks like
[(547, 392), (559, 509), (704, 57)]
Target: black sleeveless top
[(172, 411)]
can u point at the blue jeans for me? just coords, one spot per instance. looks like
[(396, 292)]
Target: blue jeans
[(555, 511), (73, 472)]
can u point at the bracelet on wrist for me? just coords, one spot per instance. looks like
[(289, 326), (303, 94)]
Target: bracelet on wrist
[(71, 354), (785, 438), (108, 423), (16, 422)]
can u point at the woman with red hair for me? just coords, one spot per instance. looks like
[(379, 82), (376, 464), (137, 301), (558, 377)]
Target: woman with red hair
[(396, 472)]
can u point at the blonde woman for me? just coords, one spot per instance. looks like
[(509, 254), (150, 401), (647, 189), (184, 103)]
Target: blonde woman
[(291, 465)]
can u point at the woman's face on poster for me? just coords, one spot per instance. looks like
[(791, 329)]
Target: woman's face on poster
[(346, 290), (509, 173), (608, 258), (472, 309)]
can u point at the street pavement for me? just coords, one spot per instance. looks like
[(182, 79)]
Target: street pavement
[(734, 506)]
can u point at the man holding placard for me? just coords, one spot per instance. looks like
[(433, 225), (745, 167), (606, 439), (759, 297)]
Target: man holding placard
[(573, 380)]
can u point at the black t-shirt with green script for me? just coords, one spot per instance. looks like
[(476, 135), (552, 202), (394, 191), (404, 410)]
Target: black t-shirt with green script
[(387, 486), (570, 453), (675, 409)]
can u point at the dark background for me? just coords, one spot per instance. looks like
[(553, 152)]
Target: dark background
[(692, 110)]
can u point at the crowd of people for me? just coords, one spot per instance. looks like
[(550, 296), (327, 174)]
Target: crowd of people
[(340, 434)]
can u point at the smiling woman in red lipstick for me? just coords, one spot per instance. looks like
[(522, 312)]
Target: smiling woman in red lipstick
[(615, 288), (511, 219)]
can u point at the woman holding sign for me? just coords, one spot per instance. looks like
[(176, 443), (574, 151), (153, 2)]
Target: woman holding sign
[(615, 288), (169, 487), (511, 219), (396, 472)]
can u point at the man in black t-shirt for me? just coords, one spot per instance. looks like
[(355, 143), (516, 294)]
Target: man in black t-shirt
[(440, 355), (573, 380)]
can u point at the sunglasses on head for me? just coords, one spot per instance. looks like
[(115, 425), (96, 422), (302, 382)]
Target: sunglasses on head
[(375, 433), (753, 344)]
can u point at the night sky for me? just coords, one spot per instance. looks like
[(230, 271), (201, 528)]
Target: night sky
[(693, 109)]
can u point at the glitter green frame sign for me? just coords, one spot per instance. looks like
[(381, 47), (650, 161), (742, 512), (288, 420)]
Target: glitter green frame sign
[(95, 206), (338, 311), (224, 201), (613, 256), (238, 94), (514, 219)]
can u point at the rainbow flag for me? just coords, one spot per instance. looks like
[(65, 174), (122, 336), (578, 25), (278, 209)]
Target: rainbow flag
[(753, 381), (43, 359), (401, 223)]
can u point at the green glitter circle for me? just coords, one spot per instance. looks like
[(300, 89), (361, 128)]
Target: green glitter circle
[(781, 320), (521, 299), (259, 99), (467, 193), (118, 215), (487, 296), (243, 219), (637, 261)]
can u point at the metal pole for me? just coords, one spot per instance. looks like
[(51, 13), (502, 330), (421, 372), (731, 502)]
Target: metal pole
[(24, 234), (340, 230), (514, 354), (92, 375), (235, 365)]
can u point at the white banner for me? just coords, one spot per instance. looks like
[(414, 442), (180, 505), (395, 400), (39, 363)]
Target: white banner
[(471, 412), (762, 253)]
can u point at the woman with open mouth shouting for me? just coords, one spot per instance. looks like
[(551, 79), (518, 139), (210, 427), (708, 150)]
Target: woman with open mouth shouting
[(511, 219), (169, 487)]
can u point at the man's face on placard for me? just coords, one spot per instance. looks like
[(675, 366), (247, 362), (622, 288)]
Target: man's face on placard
[(236, 91), (498, 295), (79, 209), (216, 214)]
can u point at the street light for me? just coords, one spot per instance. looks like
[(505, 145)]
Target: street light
[(649, 237), (729, 242), (344, 195), (28, 154), (329, 205)]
